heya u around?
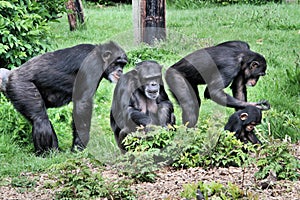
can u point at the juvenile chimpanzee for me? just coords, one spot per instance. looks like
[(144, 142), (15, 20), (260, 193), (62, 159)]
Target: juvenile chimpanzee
[(218, 66), (242, 122), (140, 99), (56, 78)]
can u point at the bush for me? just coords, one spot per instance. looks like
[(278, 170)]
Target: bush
[(215, 190), (24, 30), (207, 146), (82, 179), (276, 157)]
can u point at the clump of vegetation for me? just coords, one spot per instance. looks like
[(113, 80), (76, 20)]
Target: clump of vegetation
[(276, 157), (80, 179), (24, 29), (215, 190)]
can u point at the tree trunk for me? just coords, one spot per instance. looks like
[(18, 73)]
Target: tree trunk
[(149, 20), (75, 10)]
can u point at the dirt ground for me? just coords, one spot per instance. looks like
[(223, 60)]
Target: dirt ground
[(169, 184)]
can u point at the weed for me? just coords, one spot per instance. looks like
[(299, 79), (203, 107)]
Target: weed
[(215, 190), (81, 179), (276, 157)]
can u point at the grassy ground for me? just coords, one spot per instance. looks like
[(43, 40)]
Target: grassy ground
[(272, 30)]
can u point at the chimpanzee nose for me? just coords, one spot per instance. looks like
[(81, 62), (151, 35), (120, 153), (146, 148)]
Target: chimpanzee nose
[(120, 71)]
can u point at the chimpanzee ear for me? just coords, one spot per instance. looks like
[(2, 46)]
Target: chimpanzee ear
[(106, 55), (254, 64), (244, 116)]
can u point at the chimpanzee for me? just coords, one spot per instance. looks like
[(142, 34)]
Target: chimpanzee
[(242, 122), (140, 100), (217, 66), (54, 79)]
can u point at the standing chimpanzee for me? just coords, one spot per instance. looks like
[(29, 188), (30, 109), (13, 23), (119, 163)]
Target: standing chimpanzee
[(242, 122), (217, 66), (56, 78), (140, 99)]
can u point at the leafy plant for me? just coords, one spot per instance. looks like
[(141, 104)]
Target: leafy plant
[(215, 190), (206, 146), (139, 166), (24, 29), (276, 157), (227, 151), (81, 179)]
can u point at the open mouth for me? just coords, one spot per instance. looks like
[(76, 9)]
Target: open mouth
[(152, 94)]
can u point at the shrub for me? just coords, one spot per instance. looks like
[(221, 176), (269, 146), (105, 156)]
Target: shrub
[(24, 30), (207, 146), (82, 179), (215, 190), (276, 157)]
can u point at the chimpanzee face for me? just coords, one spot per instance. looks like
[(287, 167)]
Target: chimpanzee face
[(115, 70), (254, 71), (151, 88), (150, 78), (250, 127)]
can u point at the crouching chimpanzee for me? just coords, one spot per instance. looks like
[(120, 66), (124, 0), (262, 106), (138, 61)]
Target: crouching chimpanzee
[(56, 78), (140, 99), (243, 122), (218, 66)]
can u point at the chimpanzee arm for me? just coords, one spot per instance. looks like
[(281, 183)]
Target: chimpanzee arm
[(138, 117), (238, 87), (134, 113), (85, 86), (165, 110), (217, 94)]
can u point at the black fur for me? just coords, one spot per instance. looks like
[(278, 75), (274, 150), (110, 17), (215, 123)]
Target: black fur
[(237, 125), (56, 78), (132, 108), (218, 66)]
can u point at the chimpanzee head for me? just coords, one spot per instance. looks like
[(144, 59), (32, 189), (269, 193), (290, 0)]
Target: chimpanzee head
[(255, 68), (115, 59), (150, 77), (250, 117)]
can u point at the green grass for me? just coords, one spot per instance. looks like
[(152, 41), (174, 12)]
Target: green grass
[(272, 30)]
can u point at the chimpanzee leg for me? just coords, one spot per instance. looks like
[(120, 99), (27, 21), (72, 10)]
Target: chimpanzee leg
[(185, 95), (28, 101)]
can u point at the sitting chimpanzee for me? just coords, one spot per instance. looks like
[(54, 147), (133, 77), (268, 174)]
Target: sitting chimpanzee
[(140, 100), (56, 78), (242, 122), (218, 66)]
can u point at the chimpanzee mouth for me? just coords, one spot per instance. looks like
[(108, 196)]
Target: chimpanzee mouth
[(152, 94), (113, 78)]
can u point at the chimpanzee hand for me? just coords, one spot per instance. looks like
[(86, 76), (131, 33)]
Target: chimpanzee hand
[(263, 105)]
